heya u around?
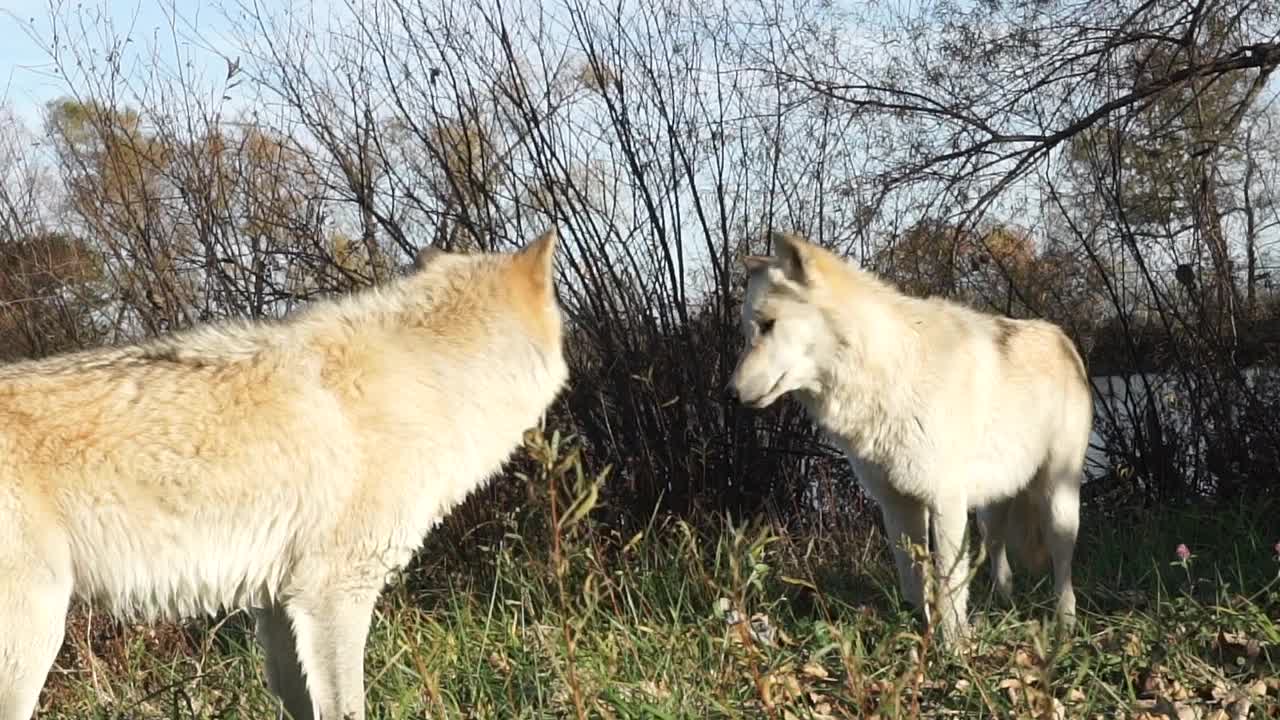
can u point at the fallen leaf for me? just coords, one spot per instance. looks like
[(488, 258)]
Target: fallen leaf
[(1132, 645), (1186, 712), (1233, 646), (1219, 691), (813, 669), (499, 663), (1163, 709), (1011, 686), (1152, 682), (1239, 710), (654, 690)]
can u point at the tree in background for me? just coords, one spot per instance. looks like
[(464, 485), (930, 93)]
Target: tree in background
[(1104, 165)]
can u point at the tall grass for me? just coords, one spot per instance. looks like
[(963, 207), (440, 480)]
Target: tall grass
[(552, 616)]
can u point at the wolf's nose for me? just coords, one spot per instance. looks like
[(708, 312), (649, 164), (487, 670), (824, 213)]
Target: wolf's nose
[(730, 391)]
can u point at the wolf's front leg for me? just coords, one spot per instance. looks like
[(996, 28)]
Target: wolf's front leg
[(283, 671), (331, 626), (906, 521), (950, 520)]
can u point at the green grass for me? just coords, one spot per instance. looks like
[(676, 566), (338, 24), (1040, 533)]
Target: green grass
[(561, 619)]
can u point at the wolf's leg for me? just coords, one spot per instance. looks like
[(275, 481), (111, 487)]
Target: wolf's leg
[(1062, 521), (331, 626), (950, 520), (906, 520), (993, 521), (284, 673), (34, 598)]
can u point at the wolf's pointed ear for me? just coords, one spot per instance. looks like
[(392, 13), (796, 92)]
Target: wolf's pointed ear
[(756, 263), (425, 255), (537, 259), (795, 254)]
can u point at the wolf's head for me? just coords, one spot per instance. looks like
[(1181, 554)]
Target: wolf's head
[(502, 297), (786, 322)]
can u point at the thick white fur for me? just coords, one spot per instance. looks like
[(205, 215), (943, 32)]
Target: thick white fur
[(287, 467), (939, 408)]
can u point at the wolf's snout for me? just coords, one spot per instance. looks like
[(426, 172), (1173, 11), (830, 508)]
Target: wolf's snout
[(731, 387)]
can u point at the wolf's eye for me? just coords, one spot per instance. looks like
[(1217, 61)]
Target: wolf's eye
[(766, 326)]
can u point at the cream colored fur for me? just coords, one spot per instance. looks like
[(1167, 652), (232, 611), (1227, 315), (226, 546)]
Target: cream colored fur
[(289, 467), (939, 408)]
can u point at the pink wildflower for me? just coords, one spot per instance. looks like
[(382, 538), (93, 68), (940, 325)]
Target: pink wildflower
[(1183, 552)]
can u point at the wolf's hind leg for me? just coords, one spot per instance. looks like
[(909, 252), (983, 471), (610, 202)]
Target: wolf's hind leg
[(993, 521), (1062, 522)]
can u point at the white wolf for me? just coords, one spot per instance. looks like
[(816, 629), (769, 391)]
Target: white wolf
[(940, 410), (286, 467)]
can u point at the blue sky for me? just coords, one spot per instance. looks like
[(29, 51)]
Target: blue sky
[(26, 71)]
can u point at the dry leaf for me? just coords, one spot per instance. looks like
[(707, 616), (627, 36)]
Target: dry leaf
[(654, 690), (1233, 646), (1239, 710), (1152, 682), (499, 663), (813, 669), (1059, 712), (1163, 709), (1076, 695), (1219, 692), (1011, 686), (1132, 645)]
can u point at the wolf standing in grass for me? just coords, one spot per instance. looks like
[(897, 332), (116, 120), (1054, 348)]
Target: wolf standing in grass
[(940, 410), (286, 467)]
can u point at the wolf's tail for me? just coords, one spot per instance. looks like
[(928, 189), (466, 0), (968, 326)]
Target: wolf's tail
[(1024, 529)]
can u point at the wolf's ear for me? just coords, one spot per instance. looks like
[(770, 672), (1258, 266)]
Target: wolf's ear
[(756, 263), (795, 255), (425, 255), (537, 259)]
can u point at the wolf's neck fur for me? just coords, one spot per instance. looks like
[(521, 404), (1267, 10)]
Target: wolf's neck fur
[(871, 374)]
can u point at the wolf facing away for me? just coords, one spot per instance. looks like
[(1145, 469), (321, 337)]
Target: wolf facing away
[(940, 409), (287, 467)]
